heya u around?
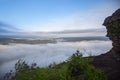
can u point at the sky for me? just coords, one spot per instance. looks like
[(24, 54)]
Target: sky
[(55, 15)]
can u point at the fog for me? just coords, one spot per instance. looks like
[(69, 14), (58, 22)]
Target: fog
[(57, 34), (45, 54)]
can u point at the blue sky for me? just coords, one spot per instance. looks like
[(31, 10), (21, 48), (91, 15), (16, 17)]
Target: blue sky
[(56, 15)]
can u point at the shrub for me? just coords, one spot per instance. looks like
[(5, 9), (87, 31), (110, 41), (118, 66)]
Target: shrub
[(75, 68)]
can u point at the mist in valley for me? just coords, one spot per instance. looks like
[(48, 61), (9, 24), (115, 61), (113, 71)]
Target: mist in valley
[(46, 54)]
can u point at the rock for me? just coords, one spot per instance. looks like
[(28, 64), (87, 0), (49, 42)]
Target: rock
[(109, 63), (115, 16), (112, 24)]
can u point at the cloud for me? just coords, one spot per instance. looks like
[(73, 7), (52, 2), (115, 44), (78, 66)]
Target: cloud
[(45, 54), (81, 31), (4, 28), (5, 25), (87, 19), (56, 34)]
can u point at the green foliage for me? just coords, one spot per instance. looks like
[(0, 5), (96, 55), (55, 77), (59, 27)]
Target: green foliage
[(75, 68), (79, 68)]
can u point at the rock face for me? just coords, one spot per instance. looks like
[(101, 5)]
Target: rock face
[(109, 63), (112, 24)]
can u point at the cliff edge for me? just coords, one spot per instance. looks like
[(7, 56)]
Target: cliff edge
[(109, 63)]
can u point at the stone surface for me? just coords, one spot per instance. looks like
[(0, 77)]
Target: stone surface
[(109, 63), (112, 24), (114, 17)]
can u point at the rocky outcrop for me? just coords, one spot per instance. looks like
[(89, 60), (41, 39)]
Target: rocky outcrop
[(109, 63), (112, 24)]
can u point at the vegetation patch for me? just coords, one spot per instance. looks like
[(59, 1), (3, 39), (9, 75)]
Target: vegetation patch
[(75, 68)]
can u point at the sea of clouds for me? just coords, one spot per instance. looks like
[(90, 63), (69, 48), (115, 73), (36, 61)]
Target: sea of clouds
[(45, 54)]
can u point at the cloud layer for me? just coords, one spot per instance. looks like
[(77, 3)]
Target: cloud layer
[(87, 19), (44, 54), (5, 28)]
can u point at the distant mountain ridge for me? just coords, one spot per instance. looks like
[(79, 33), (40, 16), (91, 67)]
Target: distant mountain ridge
[(81, 31)]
